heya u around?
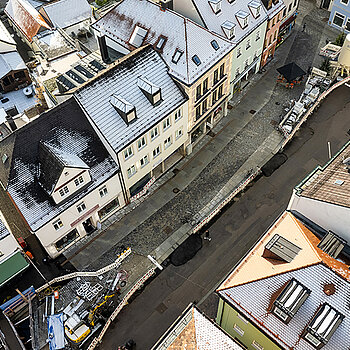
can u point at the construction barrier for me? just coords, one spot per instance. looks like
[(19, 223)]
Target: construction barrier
[(120, 306), (314, 106), (228, 199), (97, 273), (144, 190)]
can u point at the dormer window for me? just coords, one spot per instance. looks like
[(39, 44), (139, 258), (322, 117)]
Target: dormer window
[(160, 43), (290, 300), (323, 326), (242, 18), (215, 45), (138, 36), (78, 181), (125, 109), (255, 8), (228, 28), (279, 248), (196, 60), (151, 91), (215, 6), (63, 191), (177, 55)]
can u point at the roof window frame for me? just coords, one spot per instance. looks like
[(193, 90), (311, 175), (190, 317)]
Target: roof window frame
[(196, 60), (215, 45), (179, 52), (138, 26), (161, 37)]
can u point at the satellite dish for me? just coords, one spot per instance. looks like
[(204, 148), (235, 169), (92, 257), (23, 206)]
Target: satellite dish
[(346, 161)]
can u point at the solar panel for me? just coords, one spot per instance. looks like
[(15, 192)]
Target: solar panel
[(83, 71), (75, 77), (97, 65), (65, 83)]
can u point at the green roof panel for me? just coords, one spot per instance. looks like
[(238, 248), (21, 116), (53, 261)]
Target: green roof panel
[(11, 267)]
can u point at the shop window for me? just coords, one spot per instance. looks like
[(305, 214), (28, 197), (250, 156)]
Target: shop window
[(107, 209), (67, 239), (338, 19)]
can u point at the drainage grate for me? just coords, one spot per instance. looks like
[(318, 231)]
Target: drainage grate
[(176, 190), (252, 111), (161, 308)]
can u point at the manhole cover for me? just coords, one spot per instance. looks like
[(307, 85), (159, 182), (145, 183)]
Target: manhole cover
[(176, 171), (161, 308), (167, 230), (252, 111), (277, 103), (211, 133), (176, 190)]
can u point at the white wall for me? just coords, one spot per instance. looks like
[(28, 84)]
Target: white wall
[(187, 9), (327, 215), (48, 235), (151, 145)]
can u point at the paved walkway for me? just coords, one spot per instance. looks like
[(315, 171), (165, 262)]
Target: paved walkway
[(242, 142)]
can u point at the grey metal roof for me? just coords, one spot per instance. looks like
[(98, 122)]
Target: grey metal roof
[(229, 12), (10, 61), (121, 81), (253, 300), (180, 33), (4, 232)]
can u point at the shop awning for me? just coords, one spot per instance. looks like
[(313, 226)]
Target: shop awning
[(11, 267), (291, 71)]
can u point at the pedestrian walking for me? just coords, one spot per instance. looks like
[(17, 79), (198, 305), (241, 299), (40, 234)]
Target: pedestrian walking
[(207, 236), (304, 27)]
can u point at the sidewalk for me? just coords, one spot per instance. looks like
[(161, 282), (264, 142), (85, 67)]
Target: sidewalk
[(242, 141)]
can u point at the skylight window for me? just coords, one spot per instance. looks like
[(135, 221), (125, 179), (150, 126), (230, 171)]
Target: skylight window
[(138, 36), (323, 326), (177, 55), (160, 42), (196, 60), (215, 45), (290, 300)]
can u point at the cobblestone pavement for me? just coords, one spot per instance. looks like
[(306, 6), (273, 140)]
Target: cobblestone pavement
[(301, 47)]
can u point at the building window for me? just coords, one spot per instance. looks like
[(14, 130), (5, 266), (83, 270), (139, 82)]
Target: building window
[(215, 97), (141, 143), (103, 191), (166, 123), (131, 171), (81, 207), (239, 330), (284, 12), (239, 52), (178, 115), (222, 70), (295, 2), (198, 91), (237, 72), (289, 7), (178, 134), (156, 152), (205, 85), (78, 181), (273, 22), (67, 239), (220, 91), (144, 161), (108, 208), (347, 26), (256, 345), (248, 44), (257, 35), (63, 191), (338, 19), (216, 76), (128, 153), (58, 224), (154, 133), (198, 112), (167, 142), (205, 105), (246, 63)]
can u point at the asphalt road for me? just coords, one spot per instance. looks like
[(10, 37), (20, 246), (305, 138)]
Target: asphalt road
[(233, 233)]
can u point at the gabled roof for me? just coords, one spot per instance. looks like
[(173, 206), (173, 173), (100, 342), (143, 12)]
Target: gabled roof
[(10, 61), (4, 232), (180, 34), (53, 161), (194, 331), (120, 80), (25, 17), (65, 13), (63, 127), (5, 37), (229, 12)]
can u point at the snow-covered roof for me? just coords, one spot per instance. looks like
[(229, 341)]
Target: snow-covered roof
[(4, 232), (5, 36), (230, 11), (65, 13), (64, 127), (169, 30), (27, 19), (10, 61), (254, 301), (121, 80), (275, 8), (193, 330)]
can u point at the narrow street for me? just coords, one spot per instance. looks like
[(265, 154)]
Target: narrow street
[(233, 233)]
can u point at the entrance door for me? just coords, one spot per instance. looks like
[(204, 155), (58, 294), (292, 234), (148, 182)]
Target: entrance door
[(88, 226)]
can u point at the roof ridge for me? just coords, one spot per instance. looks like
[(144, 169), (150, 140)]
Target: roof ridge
[(186, 45)]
